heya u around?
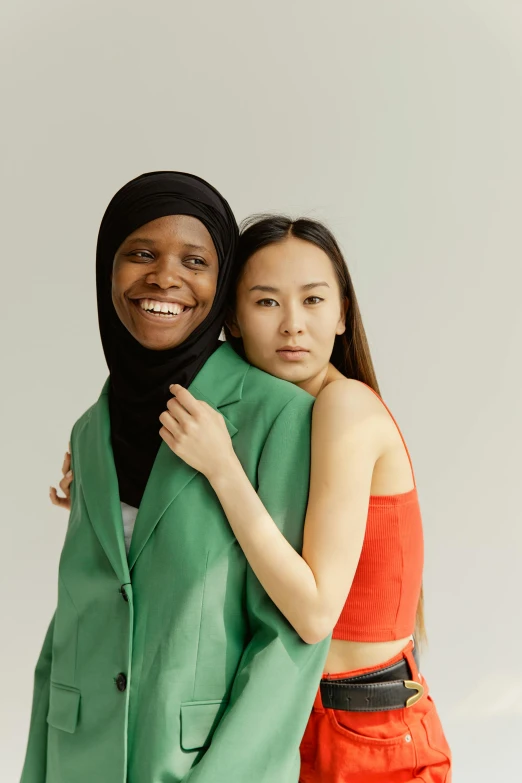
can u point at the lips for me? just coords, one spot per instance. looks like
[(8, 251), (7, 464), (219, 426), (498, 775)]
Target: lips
[(292, 353)]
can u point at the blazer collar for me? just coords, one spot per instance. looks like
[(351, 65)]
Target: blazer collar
[(220, 380), (219, 383), (99, 485)]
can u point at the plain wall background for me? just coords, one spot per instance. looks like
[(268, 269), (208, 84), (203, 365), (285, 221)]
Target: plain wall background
[(397, 121)]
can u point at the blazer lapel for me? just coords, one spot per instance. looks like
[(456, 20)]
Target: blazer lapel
[(100, 485), (168, 477), (219, 383)]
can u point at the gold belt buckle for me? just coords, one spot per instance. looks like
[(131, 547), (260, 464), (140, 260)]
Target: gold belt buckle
[(414, 686)]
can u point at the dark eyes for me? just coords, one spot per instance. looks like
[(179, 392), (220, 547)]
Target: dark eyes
[(273, 303), (143, 254), (196, 261), (267, 302), (146, 255)]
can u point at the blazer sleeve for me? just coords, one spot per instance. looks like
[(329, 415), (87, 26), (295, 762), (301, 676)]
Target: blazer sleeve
[(273, 692), (34, 770), (35, 764)]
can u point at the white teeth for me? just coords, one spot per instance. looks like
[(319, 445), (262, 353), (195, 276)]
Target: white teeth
[(163, 308)]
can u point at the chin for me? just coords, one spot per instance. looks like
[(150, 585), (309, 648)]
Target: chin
[(291, 374), (154, 344)]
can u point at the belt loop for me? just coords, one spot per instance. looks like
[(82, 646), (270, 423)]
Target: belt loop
[(408, 654)]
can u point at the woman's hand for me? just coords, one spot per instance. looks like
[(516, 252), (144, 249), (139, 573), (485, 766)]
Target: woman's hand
[(196, 433), (65, 484)]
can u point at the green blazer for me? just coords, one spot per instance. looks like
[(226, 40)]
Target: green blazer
[(173, 664)]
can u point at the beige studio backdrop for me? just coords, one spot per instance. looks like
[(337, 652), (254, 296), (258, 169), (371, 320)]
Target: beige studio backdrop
[(399, 122)]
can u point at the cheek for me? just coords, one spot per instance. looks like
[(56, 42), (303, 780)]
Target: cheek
[(256, 327), (122, 277), (204, 287), (118, 287), (328, 322), (254, 318)]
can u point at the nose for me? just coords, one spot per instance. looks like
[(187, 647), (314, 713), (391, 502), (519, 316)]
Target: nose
[(166, 273), (292, 323)]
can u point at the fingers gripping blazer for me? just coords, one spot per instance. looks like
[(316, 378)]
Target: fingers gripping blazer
[(217, 686)]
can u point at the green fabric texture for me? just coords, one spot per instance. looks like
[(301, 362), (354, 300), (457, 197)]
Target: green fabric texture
[(219, 687)]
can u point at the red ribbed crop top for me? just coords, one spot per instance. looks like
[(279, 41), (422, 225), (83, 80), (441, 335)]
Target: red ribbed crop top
[(382, 602)]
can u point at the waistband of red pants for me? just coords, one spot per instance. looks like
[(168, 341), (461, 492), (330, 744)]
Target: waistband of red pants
[(406, 653)]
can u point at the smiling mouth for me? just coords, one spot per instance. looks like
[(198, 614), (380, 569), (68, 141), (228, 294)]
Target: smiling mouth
[(161, 311)]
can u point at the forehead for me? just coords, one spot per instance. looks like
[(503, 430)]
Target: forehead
[(291, 261), (178, 229)]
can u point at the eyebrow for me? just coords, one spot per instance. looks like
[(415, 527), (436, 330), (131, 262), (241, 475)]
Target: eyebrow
[(148, 241), (140, 240), (271, 290), (197, 247)]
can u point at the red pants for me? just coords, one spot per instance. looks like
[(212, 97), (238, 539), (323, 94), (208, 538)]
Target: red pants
[(392, 746)]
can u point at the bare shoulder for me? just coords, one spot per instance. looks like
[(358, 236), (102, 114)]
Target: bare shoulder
[(350, 402)]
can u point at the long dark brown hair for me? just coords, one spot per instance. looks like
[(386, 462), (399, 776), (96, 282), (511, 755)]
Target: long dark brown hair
[(351, 352)]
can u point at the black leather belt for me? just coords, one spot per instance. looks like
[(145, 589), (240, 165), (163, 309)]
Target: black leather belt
[(389, 688)]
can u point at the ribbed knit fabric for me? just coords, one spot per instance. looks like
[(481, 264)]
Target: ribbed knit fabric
[(382, 602)]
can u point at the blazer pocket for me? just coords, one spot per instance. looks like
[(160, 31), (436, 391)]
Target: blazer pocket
[(65, 637), (64, 707), (198, 722)]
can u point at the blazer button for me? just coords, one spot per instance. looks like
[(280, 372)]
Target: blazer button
[(121, 682), (124, 593)]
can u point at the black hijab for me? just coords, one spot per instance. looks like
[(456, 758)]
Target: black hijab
[(140, 377)]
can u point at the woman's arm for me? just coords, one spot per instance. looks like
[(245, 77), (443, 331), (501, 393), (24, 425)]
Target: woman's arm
[(310, 590)]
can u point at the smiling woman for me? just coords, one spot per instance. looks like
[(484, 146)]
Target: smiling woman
[(165, 269), (161, 628), (157, 245)]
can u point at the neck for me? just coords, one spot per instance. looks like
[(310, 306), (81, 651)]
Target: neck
[(317, 383)]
